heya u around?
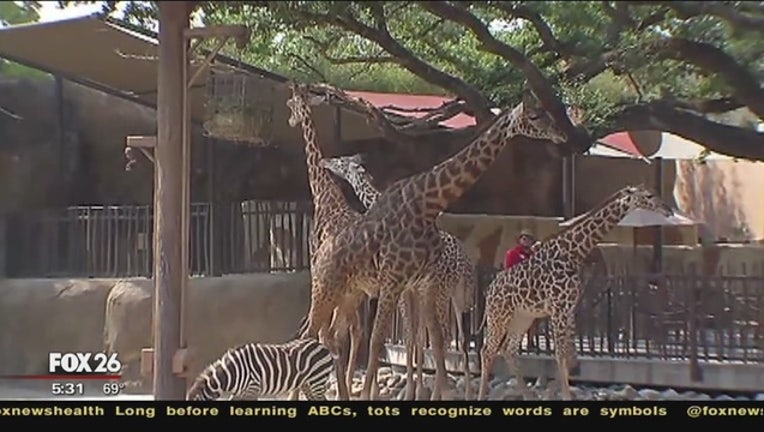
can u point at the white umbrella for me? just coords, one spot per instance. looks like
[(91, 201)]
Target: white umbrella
[(643, 218), (639, 218)]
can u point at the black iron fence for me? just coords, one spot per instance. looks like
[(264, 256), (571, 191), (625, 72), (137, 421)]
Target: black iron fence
[(117, 241), (665, 317)]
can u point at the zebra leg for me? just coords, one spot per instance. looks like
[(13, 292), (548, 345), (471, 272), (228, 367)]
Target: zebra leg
[(311, 394)]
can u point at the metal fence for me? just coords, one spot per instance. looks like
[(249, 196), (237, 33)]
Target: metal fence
[(665, 317), (117, 241)]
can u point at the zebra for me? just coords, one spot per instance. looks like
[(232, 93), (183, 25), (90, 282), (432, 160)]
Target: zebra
[(254, 370)]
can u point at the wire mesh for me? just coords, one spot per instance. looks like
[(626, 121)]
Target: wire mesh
[(239, 108)]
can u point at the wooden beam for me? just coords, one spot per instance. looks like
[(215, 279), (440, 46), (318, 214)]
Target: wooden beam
[(168, 206), (138, 141)]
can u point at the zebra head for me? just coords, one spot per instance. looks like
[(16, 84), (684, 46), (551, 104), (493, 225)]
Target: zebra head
[(211, 384)]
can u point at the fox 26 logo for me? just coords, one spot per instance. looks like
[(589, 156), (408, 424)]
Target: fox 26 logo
[(84, 363)]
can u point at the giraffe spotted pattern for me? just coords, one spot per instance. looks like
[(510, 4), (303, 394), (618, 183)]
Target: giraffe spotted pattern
[(548, 285)]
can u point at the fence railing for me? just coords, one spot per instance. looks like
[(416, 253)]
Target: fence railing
[(117, 241), (665, 317)]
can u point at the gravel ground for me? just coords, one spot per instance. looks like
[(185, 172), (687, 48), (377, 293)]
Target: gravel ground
[(393, 387)]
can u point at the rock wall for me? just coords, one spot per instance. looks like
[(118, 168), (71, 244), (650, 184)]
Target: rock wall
[(42, 315)]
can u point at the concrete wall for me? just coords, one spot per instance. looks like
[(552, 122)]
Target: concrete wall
[(624, 250), (42, 315)]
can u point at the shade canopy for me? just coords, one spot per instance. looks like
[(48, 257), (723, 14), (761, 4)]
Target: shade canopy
[(644, 218)]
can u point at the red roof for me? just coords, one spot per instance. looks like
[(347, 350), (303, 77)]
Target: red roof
[(623, 142), (411, 101)]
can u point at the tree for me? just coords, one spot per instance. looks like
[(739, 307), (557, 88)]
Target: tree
[(17, 13), (629, 65)]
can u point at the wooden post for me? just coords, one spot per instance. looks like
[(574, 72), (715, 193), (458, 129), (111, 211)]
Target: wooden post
[(168, 210)]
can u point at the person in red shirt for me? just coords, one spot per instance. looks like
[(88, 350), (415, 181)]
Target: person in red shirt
[(521, 251)]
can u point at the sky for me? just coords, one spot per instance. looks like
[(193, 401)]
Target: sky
[(49, 11)]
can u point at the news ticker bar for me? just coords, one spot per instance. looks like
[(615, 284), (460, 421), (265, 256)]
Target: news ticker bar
[(374, 410)]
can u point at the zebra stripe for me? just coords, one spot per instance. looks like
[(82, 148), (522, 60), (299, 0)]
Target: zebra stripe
[(252, 371)]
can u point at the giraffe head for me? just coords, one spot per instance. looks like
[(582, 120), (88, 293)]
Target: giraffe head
[(642, 197), (299, 103), (349, 168), (530, 119)]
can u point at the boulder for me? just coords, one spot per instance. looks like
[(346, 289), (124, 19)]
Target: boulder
[(43, 315), (222, 312)]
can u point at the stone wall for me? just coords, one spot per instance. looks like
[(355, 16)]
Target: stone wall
[(42, 315)]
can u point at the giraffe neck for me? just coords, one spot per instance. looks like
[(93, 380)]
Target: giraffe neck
[(583, 236), (363, 188), (319, 179), (446, 182)]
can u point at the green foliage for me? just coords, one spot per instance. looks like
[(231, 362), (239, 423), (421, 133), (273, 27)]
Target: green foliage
[(316, 40), (12, 13)]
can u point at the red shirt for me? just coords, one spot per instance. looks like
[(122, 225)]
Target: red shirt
[(516, 255)]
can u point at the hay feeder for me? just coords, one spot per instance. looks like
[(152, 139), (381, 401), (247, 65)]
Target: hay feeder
[(239, 108)]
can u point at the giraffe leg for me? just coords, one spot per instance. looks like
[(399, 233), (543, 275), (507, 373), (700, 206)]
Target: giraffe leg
[(356, 336), (462, 331), (388, 300), (488, 354), (496, 323), (338, 332), (409, 317), (562, 331), (421, 346), (518, 327)]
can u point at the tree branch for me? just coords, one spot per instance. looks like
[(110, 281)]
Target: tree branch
[(549, 41), (717, 9), (536, 79), (744, 85), (405, 58), (325, 47), (724, 139)]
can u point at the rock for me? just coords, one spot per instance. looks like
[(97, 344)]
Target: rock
[(423, 393), (601, 395), (741, 398), (724, 397), (702, 397), (393, 380), (541, 382), (670, 394), (628, 393), (494, 382), (43, 315), (384, 371), (759, 397), (497, 392), (579, 393), (650, 394)]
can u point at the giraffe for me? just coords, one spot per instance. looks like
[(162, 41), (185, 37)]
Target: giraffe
[(548, 285), (453, 279), (331, 212), (397, 238)]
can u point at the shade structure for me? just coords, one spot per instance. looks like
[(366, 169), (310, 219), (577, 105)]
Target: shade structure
[(639, 218)]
